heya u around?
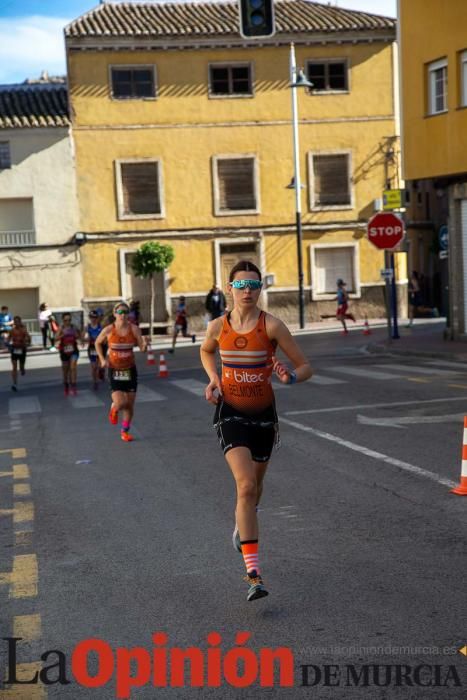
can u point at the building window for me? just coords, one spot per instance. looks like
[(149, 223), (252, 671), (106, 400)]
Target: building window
[(235, 185), (333, 263), (330, 175), (230, 80), (5, 155), (139, 189), (328, 76), (133, 82), (463, 78), (438, 86)]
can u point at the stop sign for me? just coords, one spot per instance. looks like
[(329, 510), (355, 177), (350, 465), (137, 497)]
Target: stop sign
[(385, 230)]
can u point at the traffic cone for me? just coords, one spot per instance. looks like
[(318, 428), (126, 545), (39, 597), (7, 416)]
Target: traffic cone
[(366, 327), (163, 371), (151, 360), (461, 490)]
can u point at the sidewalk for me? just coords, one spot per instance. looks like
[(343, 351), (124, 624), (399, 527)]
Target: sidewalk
[(424, 339)]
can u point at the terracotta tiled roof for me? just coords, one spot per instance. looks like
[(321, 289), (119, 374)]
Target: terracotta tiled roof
[(23, 106), (198, 19)]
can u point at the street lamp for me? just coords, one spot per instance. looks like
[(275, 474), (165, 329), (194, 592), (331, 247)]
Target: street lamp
[(297, 81)]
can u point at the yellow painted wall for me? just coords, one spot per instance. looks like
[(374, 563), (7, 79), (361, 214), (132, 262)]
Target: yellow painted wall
[(184, 129), (433, 145)]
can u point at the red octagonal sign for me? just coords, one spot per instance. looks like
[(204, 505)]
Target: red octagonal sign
[(385, 230)]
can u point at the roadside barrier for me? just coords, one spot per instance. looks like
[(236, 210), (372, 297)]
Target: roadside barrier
[(461, 490)]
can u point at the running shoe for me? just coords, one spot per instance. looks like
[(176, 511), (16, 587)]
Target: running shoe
[(66, 391), (171, 350), (74, 391), (256, 588), (193, 338), (23, 372), (13, 387), (126, 437), (113, 416), (53, 349), (236, 540)]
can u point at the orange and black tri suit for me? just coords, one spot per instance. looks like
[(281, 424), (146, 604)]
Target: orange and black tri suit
[(122, 367), (246, 414)]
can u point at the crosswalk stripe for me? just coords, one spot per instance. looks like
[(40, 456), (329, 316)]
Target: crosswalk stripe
[(85, 399), (145, 394), (24, 404), (365, 373), (418, 370), (191, 385), (462, 366)]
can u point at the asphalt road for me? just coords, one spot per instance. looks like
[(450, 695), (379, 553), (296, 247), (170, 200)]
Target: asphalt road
[(362, 545)]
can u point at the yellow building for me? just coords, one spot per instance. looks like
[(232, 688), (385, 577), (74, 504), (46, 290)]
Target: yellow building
[(433, 45), (183, 135)]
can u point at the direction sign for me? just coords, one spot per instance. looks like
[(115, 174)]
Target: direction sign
[(393, 199), (385, 231), (443, 237)]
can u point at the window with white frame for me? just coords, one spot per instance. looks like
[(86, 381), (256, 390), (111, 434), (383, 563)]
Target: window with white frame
[(133, 82), (5, 155), (463, 78), (330, 75), (230, 80), (139, 189), (330, 180), (235, 185), (333, 263), (437, 86)]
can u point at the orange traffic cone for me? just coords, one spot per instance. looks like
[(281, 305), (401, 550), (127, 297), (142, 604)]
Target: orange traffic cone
[(461, 490), (366, 327), (151, 360), (163, 371)]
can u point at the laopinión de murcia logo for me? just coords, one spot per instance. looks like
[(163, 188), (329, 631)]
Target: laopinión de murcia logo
[(164, 666)]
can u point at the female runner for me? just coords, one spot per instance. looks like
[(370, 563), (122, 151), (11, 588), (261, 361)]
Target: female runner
[(121, 337), (245, 418), (67, 340)]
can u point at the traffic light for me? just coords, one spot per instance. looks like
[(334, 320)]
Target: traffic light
[(256, 18)]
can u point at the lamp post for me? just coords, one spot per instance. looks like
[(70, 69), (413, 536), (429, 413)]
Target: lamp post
[(297, 81)]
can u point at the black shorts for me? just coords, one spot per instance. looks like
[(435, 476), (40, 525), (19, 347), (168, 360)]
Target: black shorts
[(66, 357), (18, 357), (259, 433), (123, 380)]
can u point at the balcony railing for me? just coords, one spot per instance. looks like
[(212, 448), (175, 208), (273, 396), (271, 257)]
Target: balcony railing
[(16, 239)]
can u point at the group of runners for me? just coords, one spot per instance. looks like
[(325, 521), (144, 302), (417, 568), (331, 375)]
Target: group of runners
[(245, 418)]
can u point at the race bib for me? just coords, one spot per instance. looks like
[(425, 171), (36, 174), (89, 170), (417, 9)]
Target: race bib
[(18, 351), (92, 352), (69, 349), (122, 375)]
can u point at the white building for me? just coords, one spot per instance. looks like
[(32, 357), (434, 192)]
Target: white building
[(39, 258)]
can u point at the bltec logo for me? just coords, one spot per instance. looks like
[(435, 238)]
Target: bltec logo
[(248, 377)]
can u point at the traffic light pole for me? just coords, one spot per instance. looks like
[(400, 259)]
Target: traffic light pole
[(297, 186)]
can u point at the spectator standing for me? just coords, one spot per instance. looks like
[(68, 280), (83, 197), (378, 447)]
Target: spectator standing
[(415, 297), (215, 302), (48, 326), (6, 324)]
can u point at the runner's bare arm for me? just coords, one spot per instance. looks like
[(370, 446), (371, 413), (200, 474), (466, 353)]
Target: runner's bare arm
[(142, 342), (278, 331), (100, 340), (208, 359)]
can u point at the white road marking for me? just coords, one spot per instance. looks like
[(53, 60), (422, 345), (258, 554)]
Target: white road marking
[(320, 379), (146, 394), (24, 404), (191, 385), (359, 407), (372, 453), (85, 399), (418, 370), (365, 373), (401, 421)]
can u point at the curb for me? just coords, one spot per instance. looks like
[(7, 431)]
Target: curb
[(440, 355)]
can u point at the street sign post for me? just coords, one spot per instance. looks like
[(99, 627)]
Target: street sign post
[(386, 231)]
